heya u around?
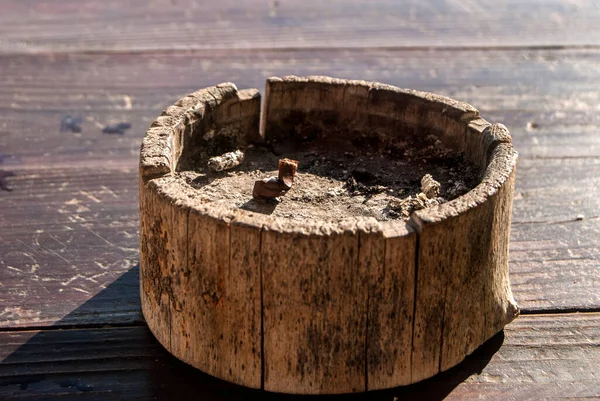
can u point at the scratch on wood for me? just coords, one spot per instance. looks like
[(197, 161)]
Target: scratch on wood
[(57, 240), (90, 196), (124, 249), (69, 281), (109, 191)]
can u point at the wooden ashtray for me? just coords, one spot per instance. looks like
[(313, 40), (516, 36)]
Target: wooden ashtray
[(344, 285)]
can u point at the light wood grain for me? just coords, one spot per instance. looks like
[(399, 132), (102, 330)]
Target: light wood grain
[(310, 346), (158, 256), (74, 26), (463, 294), (244, 276), (321, 281), (212, 290), (390, 305), (201, 302)]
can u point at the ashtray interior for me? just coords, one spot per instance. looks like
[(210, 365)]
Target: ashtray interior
[(337, 179), (358, 162)]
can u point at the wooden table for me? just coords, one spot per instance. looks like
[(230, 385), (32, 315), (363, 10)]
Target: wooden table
[(70, 319)]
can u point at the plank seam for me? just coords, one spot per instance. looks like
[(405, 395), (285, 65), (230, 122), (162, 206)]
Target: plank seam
[(442, 328), (262, 311), (286, 49), (366, 361), (415, 227), (83, 326), (141, 323)]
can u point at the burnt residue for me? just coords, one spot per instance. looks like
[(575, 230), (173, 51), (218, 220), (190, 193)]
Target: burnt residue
[(365, 140), (214, 142), (363, 182), (283, 125), (3, 176), (336, 178), (363, 176), (307, 132), (71, 124), (116, 128)]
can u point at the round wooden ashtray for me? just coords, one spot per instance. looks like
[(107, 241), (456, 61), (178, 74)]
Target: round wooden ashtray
[(331, 290)]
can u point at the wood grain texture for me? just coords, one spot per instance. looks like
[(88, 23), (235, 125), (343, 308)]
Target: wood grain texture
[(390, 305), (545, 356), (64, 239), (314, 308), (201, 304), (551, 113), (362, 108), (206, 308), (88, 239), (76, 265), (76, 26), (321, 282), (158, 260), (553, 256), (463, 296), (245, 319)]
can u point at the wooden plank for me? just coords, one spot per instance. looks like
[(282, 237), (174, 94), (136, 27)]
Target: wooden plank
[(545, 256), (201, 302), (158, 262), (557, 190), (551, 113), (245, 317), (555, 266), (390, 306), (561, 366), (538, 357), (74, 26), (65, 237), (215, 319), (88, 238), (553, 254), (463, 295), (311, 347)]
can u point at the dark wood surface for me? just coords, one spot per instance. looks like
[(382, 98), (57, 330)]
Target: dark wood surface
[(536, 357), (70, 320)]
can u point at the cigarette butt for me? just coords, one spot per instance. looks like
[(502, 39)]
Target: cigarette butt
[(287, 171), (269, 188), (276, 186), (226, 161)]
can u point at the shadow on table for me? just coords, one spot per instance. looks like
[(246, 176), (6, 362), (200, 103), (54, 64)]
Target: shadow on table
[(107, 362)]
